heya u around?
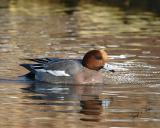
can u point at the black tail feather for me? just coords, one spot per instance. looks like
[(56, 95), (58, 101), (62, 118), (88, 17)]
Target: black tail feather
[(32, 67), (30, 75), (29, 67)]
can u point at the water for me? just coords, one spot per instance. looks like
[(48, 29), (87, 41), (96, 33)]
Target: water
[(53, 29)]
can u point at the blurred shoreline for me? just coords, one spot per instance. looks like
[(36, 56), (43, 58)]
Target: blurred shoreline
[(126, 5)]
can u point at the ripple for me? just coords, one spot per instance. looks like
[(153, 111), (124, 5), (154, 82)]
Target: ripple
[(130, 96)]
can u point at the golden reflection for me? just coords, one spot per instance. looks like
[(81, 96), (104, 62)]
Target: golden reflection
[(47, 105), (53, 28)]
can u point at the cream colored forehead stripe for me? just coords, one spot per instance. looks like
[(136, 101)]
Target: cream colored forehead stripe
[(104, 54)]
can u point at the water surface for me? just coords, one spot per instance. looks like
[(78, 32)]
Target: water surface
[(53, 29)]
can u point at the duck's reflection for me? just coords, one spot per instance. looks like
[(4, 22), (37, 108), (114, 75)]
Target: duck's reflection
[(70, 97), (92, 108)]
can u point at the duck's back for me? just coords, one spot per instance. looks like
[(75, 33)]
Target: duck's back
[(68, 66)]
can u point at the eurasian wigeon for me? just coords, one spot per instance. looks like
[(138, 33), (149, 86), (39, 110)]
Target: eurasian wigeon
[(71, 71)]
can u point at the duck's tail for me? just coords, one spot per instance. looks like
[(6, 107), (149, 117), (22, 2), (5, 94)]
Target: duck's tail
[(32, 68)]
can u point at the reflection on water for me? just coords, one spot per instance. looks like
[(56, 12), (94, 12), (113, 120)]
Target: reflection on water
[(67, 29)]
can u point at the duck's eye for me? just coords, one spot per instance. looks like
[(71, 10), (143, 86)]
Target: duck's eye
[(98, 57)]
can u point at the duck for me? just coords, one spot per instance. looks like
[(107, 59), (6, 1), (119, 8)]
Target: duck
[(70, 71)]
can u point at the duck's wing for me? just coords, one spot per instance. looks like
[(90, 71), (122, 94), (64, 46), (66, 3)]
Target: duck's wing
[(41, 62), (51, 65)]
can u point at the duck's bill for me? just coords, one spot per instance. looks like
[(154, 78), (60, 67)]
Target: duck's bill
[(108, 67)]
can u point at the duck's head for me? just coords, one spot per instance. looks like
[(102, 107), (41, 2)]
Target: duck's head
[(96, 60)]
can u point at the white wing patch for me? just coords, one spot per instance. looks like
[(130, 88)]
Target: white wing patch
[(57, 73), (54, 72)]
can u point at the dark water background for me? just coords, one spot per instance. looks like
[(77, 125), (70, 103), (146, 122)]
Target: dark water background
[(128, 30)]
